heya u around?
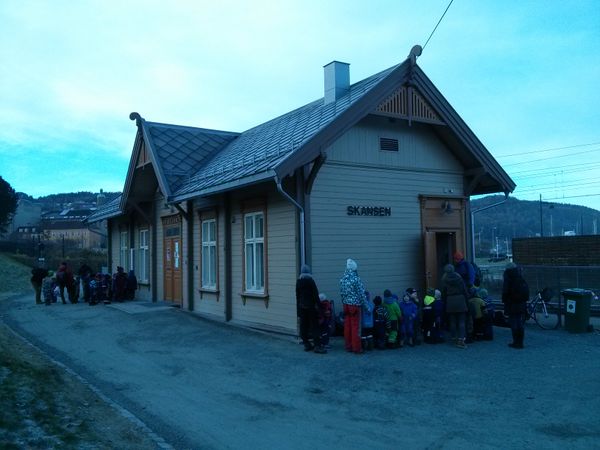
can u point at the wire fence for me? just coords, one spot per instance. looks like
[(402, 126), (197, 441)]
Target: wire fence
[(557, 278)]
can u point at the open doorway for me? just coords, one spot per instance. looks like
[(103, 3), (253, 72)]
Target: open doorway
[(439, 248)]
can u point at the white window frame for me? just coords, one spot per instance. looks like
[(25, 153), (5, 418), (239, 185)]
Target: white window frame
[(254, 261), (143, 254), (208, 276), (123, 247)]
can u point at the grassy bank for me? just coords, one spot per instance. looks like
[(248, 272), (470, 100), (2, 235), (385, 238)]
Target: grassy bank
[(14, 276)]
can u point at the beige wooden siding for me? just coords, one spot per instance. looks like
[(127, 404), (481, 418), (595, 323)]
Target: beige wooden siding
[(282, 256), (207, 303), (388, 250), (158, 254), (418, 147)]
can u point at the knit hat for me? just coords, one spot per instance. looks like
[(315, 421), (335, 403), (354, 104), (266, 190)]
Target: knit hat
[(351, 264), (305, 268), (411, 291), (431, 292), (322, 297), (483, 293), (51, 273), (438, 294), (387, 293)]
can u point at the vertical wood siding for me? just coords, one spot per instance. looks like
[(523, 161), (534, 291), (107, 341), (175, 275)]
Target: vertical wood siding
[(388, 250), (205, 303), (281, 254)]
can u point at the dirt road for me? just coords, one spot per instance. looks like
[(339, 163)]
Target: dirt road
[(200, 384)]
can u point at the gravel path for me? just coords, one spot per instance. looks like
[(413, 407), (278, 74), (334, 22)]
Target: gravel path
[(200, 384)]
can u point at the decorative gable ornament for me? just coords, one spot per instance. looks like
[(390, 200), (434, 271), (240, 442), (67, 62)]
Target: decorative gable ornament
[(407, 103)]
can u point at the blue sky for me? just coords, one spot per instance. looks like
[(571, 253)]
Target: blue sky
[(523, 75)]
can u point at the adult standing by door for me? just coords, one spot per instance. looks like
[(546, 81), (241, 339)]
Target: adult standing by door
[(454, 296), (515, 294), (352, 292), (307, 299)]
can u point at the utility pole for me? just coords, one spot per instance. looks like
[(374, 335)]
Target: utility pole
[(541, 221)]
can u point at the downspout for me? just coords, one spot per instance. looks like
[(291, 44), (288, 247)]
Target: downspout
[(473, 222), (301, 211)]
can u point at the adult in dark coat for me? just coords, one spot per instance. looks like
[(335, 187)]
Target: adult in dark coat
[(464, 268), (515, 294), (454, 296), (307, 299), (37, 277)]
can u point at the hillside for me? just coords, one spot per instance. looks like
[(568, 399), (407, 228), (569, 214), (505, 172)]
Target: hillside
[(56, 202), (521, 218)]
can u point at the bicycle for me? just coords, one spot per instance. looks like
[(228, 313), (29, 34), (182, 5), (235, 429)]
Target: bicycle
[(545, 314)]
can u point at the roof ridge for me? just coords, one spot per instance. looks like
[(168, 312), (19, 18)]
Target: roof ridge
[(187, 127)]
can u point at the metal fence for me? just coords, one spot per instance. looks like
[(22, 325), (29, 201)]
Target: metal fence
[(556, 278)]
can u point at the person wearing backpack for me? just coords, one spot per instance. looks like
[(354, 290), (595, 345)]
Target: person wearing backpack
[(515, 294), (37, 277), (64, 279), (465, 269)]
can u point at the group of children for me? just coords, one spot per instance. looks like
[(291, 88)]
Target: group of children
[(393, 322), (92, 288)]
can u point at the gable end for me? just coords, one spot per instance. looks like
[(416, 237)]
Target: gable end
[(407, 103)]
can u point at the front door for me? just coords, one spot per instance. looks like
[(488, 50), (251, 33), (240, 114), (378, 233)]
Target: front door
[(172, 259), (444, 232)]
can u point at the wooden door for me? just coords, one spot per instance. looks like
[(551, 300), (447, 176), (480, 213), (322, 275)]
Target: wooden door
[(172, 259)]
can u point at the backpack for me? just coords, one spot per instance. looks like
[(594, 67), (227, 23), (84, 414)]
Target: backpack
[(61, 277)]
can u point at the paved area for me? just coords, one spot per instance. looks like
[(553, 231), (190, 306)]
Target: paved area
[(201, 384)]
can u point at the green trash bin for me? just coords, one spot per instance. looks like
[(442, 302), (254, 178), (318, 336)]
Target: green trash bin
[(577, 309)]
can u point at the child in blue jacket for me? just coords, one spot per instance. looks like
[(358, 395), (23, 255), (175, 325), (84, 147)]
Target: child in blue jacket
[(408, 306), (366, 336)]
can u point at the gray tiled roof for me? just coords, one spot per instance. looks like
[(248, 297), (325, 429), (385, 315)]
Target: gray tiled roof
[(110, 209), (180, 151), (261, 148)]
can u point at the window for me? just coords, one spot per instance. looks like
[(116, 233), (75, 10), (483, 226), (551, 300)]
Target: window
[(143, 260), (254, 243), (209, 254), (123, 250)]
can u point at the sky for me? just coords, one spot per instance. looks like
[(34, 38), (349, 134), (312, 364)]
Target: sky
[(524, 75)]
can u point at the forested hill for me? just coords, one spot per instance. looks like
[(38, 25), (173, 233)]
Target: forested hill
[(521, 218)]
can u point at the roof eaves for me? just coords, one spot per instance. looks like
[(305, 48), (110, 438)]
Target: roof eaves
[(228, 186)]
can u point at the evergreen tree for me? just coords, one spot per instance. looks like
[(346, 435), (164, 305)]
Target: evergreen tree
[(8, 204)]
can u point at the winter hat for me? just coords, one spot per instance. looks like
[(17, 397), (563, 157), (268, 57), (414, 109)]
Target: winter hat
[(458, 256), (305, 268), (377, 300), (322, 297), (51, 273), (448, 268), (431, 292), (483, 293), (387, 293), (438, 294), (411, 291), (351, 264)]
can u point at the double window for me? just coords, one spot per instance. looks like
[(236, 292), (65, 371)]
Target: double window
[(124, 250), (209, 254), (143, 257), (254, 250)]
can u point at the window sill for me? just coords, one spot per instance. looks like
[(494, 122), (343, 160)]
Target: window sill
[(208, 291), (258, 295)]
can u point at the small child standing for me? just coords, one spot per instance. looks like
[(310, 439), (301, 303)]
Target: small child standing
[(408, 306), (381, 323), (366, 336), (429, 321), (394, 315), (48, 285), (325, 316)]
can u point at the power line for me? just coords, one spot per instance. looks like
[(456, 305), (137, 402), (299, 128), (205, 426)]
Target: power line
[(548, 150), (553, 157), (435, 28)]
